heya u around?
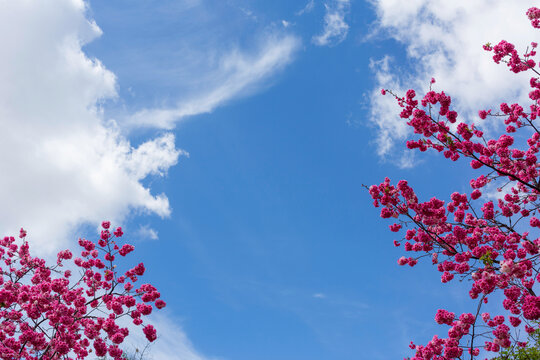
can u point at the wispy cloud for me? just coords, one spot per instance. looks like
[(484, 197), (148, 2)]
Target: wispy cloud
[(172, 342), (306, 9), (240, 73), (443, 39), (248, 13), (335, 28), (389, 127), (146, 232)]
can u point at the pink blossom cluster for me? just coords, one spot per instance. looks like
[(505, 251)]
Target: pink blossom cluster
[(495, 244), (49, 313), (534, 15)]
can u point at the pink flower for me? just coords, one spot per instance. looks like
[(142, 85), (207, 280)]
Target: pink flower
[(126, 249), (117, 338), (403, 260), (118, 232), (483, 114), (476, 194), (514, 321), (160, 304), (150, 333)]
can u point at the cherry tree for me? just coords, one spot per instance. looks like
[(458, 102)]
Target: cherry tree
[(71, 312), (493, 241)]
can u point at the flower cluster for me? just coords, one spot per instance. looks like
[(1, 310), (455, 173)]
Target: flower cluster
[(49, 313), (492, 243)]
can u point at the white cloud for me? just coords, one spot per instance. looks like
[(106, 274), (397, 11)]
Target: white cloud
[(172, 342), (62, 165), (444, 39), (384, 114), (306, 9), (335, 28), (146, 232), (239, 74), (248, 13)]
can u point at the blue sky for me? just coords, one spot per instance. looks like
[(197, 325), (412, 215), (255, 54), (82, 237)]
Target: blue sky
[(231, 140)]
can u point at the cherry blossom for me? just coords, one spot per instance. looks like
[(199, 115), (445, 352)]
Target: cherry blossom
[(492, 243)]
